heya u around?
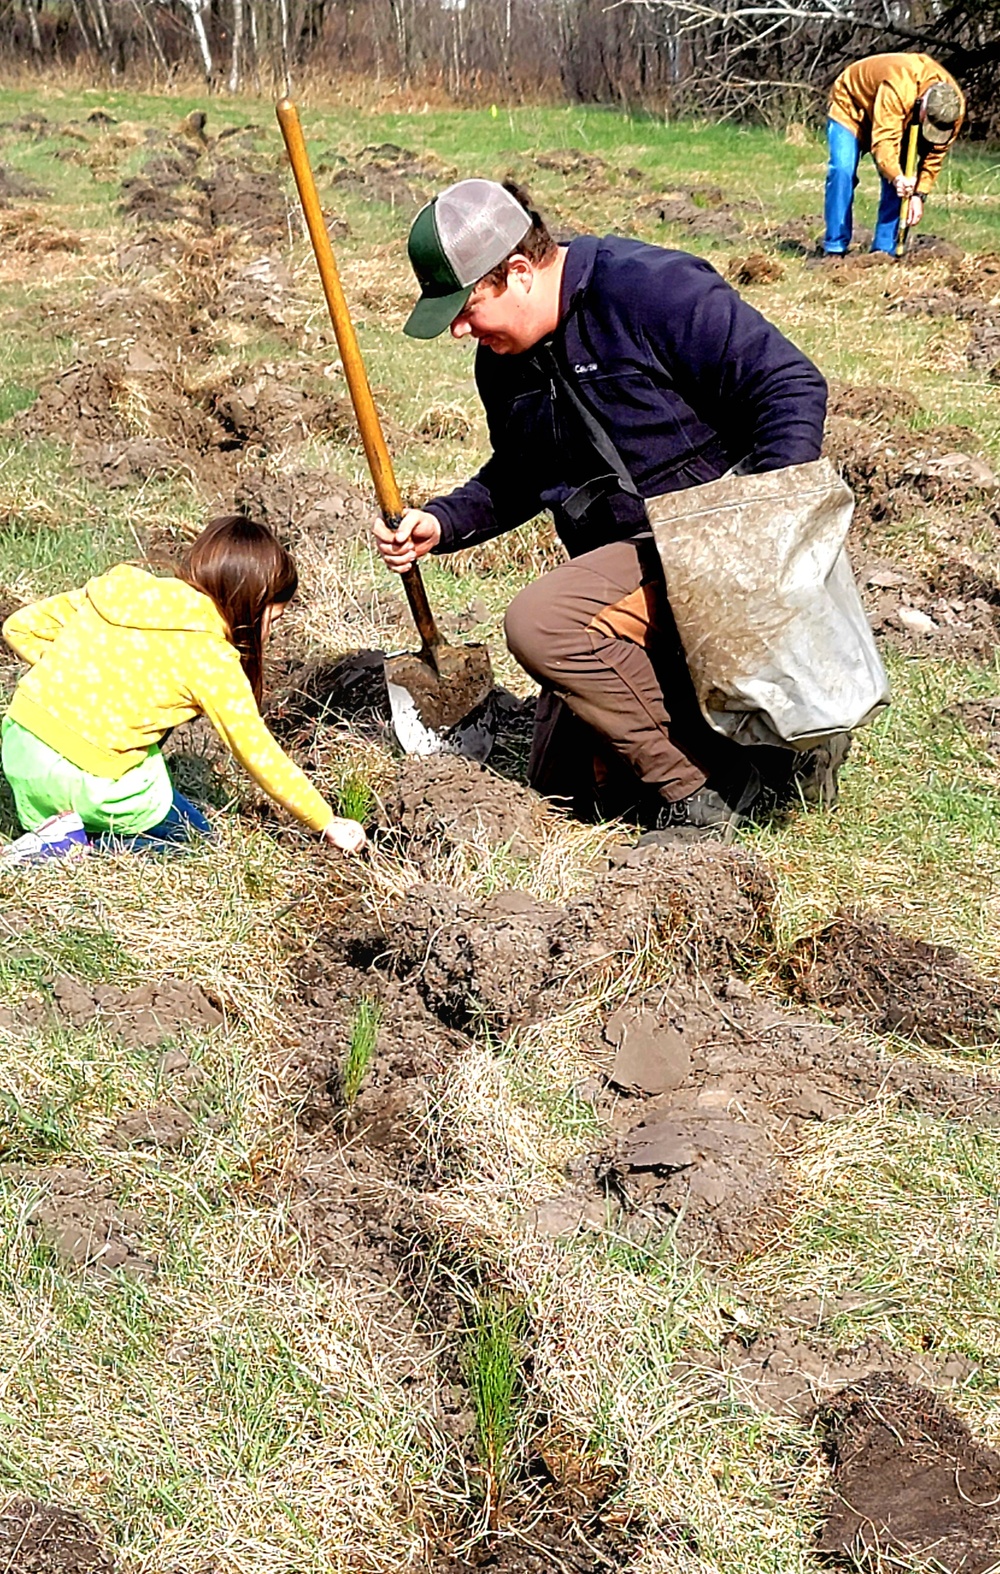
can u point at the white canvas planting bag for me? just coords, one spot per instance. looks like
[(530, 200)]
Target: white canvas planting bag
[(772, 625)]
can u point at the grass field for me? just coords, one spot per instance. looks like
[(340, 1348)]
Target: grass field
[(291, 1312)]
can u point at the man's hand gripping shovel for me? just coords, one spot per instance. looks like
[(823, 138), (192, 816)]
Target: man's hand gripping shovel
[(440, 697), (910, 171)]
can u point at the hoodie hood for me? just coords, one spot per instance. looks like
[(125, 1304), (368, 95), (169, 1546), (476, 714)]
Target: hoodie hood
[(130, 597)]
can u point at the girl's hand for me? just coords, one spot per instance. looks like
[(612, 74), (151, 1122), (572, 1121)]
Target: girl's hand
[(347, 835)]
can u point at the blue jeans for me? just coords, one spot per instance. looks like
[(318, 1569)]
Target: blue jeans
[(841, 179), (181, 829)]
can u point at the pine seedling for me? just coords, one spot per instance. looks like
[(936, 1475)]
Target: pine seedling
[(493, 1375), (364, 1036), (356, 799)]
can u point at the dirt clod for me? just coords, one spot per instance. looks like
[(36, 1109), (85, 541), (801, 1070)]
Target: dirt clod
[(46, 1538), (909, 1479), (146, 1015), (80, 1222)]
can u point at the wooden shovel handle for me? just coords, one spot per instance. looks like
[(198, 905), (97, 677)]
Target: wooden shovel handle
[(369, 424)]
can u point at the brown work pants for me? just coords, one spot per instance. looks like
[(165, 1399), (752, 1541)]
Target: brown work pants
[(617, 720)]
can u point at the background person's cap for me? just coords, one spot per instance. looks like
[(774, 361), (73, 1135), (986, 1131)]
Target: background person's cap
[(942, 107), (457, 238)]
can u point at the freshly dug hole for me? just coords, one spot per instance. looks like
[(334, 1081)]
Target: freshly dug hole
[(862, 970), (909, 1480)]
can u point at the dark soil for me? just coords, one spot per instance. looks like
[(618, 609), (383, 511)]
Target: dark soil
[(897, 473), (13, 186), (449, 800), (861, 970), (982, 717), (707, 1092), (892, 468), (331, 689), (909, 1479), (46, 1538), (757, 268), (704, 1087), (699, 211), (954, 612), (303, 504), (512, 959)]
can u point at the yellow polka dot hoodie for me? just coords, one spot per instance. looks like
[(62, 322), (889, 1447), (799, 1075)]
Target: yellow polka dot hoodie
[(118, 663)]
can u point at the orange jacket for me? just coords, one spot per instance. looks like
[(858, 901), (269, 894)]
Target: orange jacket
[(875, 99)]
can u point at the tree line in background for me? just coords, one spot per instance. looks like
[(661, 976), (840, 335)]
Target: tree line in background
[(765, 60)]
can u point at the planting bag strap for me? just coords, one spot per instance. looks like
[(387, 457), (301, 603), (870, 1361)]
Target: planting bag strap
[(617, 475)]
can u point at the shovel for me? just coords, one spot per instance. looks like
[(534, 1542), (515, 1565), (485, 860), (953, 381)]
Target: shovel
[(441, 696), (909, 170)]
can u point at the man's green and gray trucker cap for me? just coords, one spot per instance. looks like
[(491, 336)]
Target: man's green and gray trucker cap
[(943, 106), (457, 238)]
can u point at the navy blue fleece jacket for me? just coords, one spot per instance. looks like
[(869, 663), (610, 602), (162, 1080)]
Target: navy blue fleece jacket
[(685, 378)]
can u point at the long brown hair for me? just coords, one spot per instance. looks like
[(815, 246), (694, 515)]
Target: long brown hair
[(245, 570)]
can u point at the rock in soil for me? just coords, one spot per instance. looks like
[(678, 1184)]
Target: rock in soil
[(45, 1538), (861, 970), (909, 1480)]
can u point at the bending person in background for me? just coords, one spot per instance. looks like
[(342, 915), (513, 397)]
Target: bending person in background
[(872, 106), (610, 371), (117, 664)]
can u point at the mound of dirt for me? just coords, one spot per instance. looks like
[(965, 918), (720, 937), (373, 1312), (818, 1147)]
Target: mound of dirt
[(245, 198), (757, 268), (79, 1221), (450, 800), (385, 172), (98, 406), (188, 183), (13, 186), (46, 1538), (891, 468), (701, 211), (707, 1094), (511, 958), (956, 612), (981, 717), (909, 1480), (300, 504), (271, 406), (862, 970), (24, 229), (145, 1016)]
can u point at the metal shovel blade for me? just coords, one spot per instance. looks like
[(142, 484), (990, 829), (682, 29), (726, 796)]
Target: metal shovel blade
[(445, 707)]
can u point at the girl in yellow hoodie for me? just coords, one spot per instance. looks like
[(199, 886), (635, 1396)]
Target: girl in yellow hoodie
[(115, 665)]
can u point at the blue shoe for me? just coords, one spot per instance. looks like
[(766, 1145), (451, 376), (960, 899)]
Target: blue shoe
[(60, 837)]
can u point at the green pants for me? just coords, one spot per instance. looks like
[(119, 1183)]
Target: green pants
[(44, 783)]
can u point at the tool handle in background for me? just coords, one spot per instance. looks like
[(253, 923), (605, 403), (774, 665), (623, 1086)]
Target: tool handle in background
[(369, 425), (909, 170)]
